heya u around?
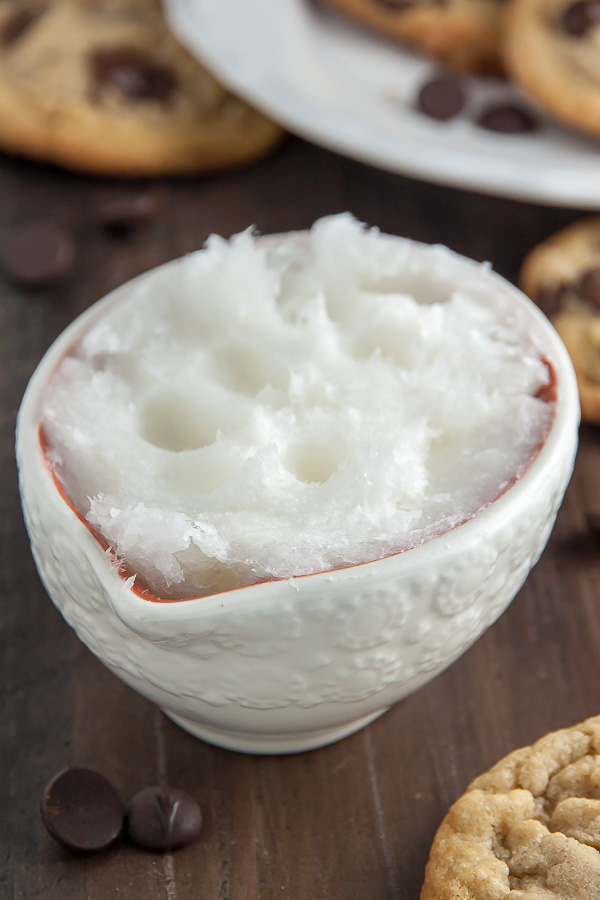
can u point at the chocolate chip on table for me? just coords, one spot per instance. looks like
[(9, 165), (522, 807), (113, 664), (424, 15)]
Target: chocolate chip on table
[(37, 254), (127, 215), (132, 73), (82, 810), (19, 22), (588, 288), (580, 17), (443, 97), (506, 118), (162, 819)]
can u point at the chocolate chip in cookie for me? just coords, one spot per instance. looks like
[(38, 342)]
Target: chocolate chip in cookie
[(19, 22), (581, 17), (134, 75), (396, 5), (402, 5), (550, 298), (588, 288)]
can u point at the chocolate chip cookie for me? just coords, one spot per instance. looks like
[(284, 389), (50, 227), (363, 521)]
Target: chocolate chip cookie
[(528, 828), (552, 49), (460, 33), (103, 86), (562, 275)]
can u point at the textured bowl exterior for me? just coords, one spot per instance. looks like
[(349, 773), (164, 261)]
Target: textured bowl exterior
[(290, 665)]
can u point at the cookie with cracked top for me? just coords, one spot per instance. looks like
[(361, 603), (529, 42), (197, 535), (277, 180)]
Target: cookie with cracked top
[(461, 33), (562, 275), (551, 49), (529, 829), (103, 86)]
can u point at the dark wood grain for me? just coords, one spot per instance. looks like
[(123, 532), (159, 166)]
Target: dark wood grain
[(354, 820)]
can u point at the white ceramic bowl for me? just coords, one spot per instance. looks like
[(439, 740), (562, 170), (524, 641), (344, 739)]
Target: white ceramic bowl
[(291, 665)]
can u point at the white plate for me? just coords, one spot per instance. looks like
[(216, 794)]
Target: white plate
[(343, 88)]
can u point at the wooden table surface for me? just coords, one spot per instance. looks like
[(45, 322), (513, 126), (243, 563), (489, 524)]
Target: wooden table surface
[(353, 821)]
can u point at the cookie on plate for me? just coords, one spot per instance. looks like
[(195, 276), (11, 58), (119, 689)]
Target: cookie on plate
[(103, 86), (460, 33), (551, 50), (562, 276), (529, 829)]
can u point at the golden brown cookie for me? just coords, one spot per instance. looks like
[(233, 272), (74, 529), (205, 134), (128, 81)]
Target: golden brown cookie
[(562, 275), (460, 33), (552, 49), (529, 829), (103, 86)]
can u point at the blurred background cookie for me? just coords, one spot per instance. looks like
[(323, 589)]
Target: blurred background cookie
[(527, 828), (551, 49), (460, 33), (562, 275), (102, 86)]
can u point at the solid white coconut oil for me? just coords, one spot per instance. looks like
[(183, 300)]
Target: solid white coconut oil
[(258, 411)]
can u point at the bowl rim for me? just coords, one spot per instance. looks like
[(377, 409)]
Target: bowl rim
[(564, 421)]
